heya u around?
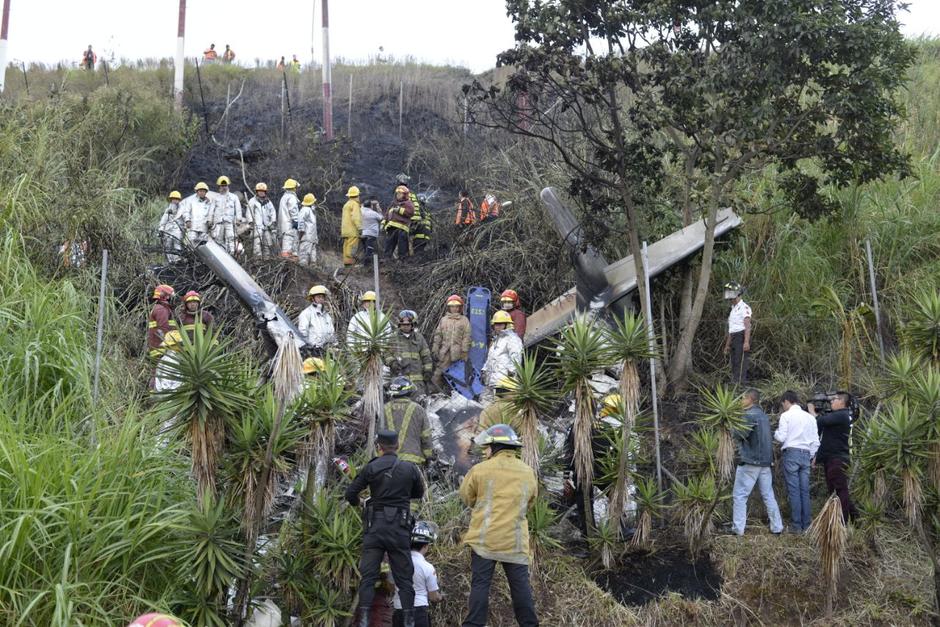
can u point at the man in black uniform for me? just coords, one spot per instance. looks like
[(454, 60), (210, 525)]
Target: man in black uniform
[(392, 482)]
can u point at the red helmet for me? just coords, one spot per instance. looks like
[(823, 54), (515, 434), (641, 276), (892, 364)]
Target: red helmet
[(454, 298), (155, 620), (192, 295), (163, 292), (510, 295)]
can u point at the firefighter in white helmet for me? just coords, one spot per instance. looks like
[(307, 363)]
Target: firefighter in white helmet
[(227, 215), (287, 218), (315, 322), (307, 231), (263, 216)]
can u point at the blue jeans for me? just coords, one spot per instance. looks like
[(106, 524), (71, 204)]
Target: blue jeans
[(796, 474), (744, 479)]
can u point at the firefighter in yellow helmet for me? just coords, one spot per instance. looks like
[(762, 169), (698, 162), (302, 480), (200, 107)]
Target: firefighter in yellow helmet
[(315, 322), (307, 231), (197, 214), (287, 218), (171, 227), (263, 218), (351, 229), (398, 223), (504, 353), (193, 314), (227, 215)]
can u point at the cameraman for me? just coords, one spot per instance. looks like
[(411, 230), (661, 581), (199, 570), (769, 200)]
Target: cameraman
[(835, 429)]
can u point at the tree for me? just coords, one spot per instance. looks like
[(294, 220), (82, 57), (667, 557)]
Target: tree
[(685, 99)]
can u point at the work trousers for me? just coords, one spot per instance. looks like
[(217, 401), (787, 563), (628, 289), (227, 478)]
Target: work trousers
[(383, 538), (350, 247), (519, 589), (396, 238), (308, 251), (264, 243), (224, 235), (369, 246), (796, 463), (739, 359), (289, 243), (422, 617), (838, 481), (745, 477)]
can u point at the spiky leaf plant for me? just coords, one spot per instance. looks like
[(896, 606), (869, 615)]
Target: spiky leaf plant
[(722, 411), (925, 395), (921, 334), (629, 344), (854, 323), (369, 345), (581, 352), (829, 533), (606, 543), (650, 503), (541, 519), (213, 390), (900, 370), (322, 405), (332, 535), (701, 452), (534, 393), (695, 504)]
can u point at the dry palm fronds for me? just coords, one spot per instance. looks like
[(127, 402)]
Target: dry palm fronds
[(725, 455), (880, 488), (641, 534), (912, 495), (829, 533), (583, 450)]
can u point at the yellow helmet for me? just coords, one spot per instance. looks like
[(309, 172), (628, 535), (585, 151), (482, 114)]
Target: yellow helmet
[(313, 365), (353, 192), (367, 297), (175, 195), (507, 383), (223, 180), (309, 199), (290, 184), (501, 317), (317, 290), (172, 339), (261, 187), (611, 405), (201, 185)]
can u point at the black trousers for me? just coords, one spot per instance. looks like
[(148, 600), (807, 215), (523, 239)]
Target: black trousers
[(396, 238), (368, 248), (739, 359), (391, 538), (519, 589), (422, 618)]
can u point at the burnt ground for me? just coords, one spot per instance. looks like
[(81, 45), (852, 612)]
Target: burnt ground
[(642, 579)]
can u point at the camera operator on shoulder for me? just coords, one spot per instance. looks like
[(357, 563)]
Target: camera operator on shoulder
[(834, 415)]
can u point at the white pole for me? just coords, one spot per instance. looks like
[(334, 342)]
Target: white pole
[(313, 36), (652, 347), (179, 65), (874, 297), (327, 74), (4, 35)]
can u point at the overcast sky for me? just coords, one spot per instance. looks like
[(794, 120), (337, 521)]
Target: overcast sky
[(463, 32)]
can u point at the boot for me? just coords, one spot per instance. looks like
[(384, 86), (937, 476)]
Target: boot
[(408, 618), (364, 618)]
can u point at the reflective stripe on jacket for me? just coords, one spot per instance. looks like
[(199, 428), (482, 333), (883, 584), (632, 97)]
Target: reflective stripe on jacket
[(500, 492), (398, 215), (410, 357), (451, 339), (414, 433)]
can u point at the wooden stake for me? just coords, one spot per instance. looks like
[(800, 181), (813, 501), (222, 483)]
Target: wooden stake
[(349, 112), (401, 104)]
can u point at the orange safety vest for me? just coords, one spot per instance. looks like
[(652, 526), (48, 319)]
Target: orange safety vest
[(489, 211), (210, 55), (465, 213)]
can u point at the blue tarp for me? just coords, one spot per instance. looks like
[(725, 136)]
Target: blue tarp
[(477, 309)]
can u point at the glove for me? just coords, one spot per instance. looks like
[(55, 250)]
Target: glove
[(294, 224)]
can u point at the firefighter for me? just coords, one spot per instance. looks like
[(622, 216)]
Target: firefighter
[(263, 216), (307, 231), (161, 320), (171, 227), (315, 322), (504, 353), (409, 419), (489, 208), (410, 356), (397, 223), (227, 215), (509, 302), (500, 411), (451, 342), (198, 213), (194, 314), (351, 229), (287, 214), (466, 216)]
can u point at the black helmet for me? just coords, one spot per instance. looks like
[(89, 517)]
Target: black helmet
[(424, 533), (733, 289), (400, 386)]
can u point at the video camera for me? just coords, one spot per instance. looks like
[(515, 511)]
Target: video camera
[(822, 403)]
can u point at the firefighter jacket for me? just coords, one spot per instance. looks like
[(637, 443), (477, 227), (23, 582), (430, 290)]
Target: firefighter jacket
[(505, 351), (410, 357), (316, 326), (421, 220), (518, 321), (398, 215), (171, 224), (287, 212), (499, 492), (451, 339), (189, 320), (352, 218), (414, 431), (262, 214), (307, 223), (227, 209), (198, 214), (465, 213), (160, 322)]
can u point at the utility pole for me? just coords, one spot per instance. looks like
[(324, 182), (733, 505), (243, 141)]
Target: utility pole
[(313, 34), (327, 74), (4, 35), (180, 61)]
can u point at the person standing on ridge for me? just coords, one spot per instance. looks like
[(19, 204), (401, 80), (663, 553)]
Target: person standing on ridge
[(509, 302), (738, 339), (229, 55), (499, 491), (409, 419), (307, 231), (281, 65), (315, 322), (410, 356), (387, 523), (161, 319), (198, 213), (194, 314), (295, 64), (451, 341), (89, 59), (397, 223), (351, 228), (264, 219), (171, 227), (210, 55), (287, 214), (227, 214), (371, 219)]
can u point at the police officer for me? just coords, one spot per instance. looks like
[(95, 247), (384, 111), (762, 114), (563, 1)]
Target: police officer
[(388, 521)]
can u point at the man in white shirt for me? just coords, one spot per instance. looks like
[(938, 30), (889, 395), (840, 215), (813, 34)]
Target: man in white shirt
[(799, 440), (738, 340), (425, 580)]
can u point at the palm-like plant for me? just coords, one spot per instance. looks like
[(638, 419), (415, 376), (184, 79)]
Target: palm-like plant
[(322, 405), (650, 503), (695, 504), (829, 533), (925, 394), (541, 519), (900, 370), (332, 535), (213, 390), (722, 411), (369, 345), (581, 352), (854, 324), (921, 334), (629, 344), (533, 394)]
